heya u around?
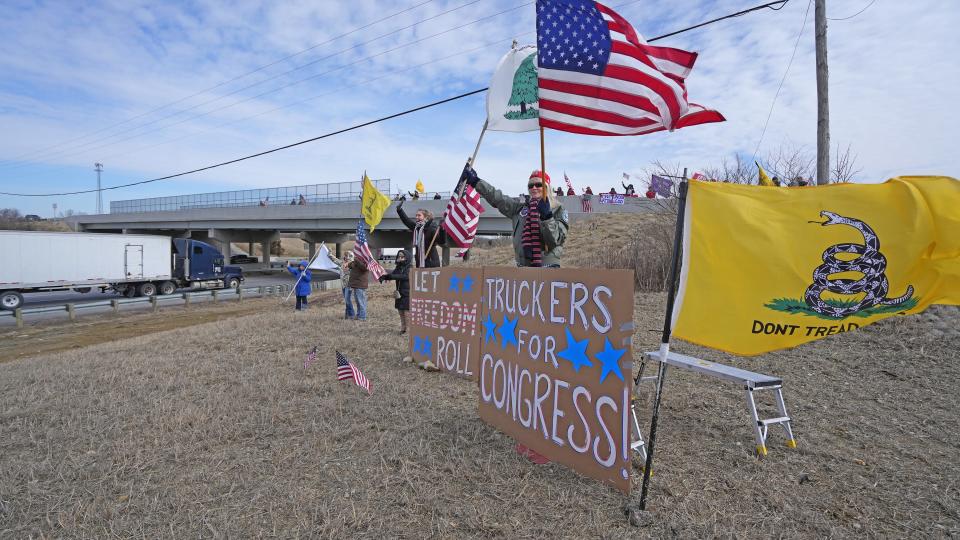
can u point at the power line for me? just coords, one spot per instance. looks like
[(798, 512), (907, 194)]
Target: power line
[(855, 14), (84, 148), (272, 150), (382, 119), (214, 87), (782, 79)]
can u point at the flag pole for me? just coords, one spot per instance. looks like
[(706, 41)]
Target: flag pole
[(665, 337), (543, 157), (470, 162)]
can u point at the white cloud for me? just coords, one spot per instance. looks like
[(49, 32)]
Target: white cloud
[(892, 80)]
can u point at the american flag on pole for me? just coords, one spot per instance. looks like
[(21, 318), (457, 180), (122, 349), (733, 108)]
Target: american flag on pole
[(346, 370), (567, 180), (598, 76), (462, 216), (362, 251), (311, 356)]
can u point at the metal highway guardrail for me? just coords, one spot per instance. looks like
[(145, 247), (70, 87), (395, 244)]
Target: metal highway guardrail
[(184, 298)]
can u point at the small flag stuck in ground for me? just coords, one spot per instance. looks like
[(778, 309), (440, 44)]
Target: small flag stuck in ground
[(311, 356), (346, 370)]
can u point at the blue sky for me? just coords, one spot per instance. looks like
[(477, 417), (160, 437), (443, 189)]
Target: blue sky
[(72, 69)]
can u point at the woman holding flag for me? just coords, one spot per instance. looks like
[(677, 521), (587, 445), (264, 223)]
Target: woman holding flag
[(425, 228), (540, 223)]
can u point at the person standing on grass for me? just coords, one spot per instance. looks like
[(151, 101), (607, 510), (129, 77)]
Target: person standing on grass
[(425, 229), (540, 222), (401, 275), (303, 283), (357, 289)]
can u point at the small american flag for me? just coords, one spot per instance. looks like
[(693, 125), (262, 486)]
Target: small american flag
[(585, 203), (362, 251), (598, 76), (462, 216), (567, 180), (346, 370), (311, 356)]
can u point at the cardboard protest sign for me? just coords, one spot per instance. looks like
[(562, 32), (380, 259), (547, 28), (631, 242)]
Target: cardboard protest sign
[(444, 316), (555, 364)]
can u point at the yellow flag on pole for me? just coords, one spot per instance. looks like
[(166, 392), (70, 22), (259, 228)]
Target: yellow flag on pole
[(764, 179), (373, 203), (420, 187), (768, 269)]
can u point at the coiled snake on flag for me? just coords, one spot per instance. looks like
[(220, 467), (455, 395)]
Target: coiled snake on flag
[(870, 262)]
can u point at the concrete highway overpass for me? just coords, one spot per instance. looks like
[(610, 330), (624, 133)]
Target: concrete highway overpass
[(330, 222)]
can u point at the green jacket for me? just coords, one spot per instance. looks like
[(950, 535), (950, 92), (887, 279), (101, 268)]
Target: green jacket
[(553, 230)]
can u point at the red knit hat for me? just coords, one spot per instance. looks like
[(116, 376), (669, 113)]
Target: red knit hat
[(541, 175)]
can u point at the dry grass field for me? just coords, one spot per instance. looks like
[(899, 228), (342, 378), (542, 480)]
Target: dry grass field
[(215, 430)]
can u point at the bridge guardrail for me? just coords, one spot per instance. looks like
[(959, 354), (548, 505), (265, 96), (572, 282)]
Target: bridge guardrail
[(186, 298)]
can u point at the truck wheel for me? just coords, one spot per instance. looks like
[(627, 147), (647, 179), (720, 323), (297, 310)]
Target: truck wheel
[(11, 300), (147, 289), (233, 283), (83, 290), (167, 287)]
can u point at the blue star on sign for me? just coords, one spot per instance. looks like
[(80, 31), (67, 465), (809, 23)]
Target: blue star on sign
[(576, 352), (508, 331), (610, 360), (417, 343), (454, 283), (426, 347), (489, 327), (467, 283)]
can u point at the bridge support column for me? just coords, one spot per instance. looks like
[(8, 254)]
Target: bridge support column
[(250, 249), (339, 246), (445, 255), (265, 254), (311, 250)]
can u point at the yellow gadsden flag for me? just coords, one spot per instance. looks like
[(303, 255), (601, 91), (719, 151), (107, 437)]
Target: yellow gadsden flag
[(768, 269), (764, 179), (373, 203), (420, 187)]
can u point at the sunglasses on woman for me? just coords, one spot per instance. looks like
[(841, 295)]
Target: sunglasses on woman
[(536, 184)]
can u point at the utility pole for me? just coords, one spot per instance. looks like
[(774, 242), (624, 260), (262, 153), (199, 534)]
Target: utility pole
[(823, 104), (99, 168)]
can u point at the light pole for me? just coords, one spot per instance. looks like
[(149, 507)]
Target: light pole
[(99, 168)]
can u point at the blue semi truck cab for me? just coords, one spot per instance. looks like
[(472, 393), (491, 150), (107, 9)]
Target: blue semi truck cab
[(199, 265)]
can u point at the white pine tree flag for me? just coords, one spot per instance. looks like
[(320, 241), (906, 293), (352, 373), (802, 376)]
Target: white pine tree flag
[(512, 102)]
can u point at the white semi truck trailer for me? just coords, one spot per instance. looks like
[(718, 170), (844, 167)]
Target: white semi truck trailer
[(130, 264)]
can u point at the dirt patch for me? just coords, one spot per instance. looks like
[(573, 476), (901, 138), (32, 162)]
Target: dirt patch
[(216, 430)]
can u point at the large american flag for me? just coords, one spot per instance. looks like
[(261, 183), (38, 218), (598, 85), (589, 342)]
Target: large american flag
[(598, 76), (462, 216), (346, 370), (362, 251)]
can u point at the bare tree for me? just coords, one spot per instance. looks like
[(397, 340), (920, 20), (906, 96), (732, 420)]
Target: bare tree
[(791, 163), (844, 167), (735, 170)]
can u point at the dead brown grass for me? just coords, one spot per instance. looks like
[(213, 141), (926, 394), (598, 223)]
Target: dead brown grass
[(216, 430)]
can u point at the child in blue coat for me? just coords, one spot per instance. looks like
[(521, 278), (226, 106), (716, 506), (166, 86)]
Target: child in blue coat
[(303, 285)]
